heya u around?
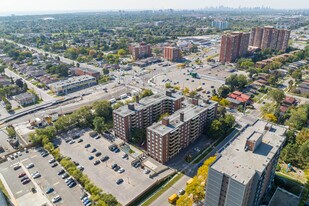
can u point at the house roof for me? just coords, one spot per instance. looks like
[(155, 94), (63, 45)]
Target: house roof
[(239, 96), (283, 108), (289, 100)]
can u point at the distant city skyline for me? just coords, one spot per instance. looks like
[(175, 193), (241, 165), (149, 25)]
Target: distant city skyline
[(51, 6)]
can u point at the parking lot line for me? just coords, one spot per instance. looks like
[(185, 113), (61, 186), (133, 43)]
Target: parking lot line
[(19, 192), (56, 183), (24, 160), (33, 156), (4, 169)]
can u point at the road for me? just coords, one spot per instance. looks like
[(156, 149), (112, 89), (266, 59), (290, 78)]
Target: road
[(40, 92), (181, 183)]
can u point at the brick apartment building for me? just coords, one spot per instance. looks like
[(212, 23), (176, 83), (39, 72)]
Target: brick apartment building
[(245, 166), (78, 71), (139, 51), (144, 112), (233, 46), (171, 53), (269, 37), (168, 137)]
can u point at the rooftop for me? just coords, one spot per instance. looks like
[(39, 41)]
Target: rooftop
[(26, 95), (241, 164), (283, 198), (146, 102), (72, 80), (189, 112)]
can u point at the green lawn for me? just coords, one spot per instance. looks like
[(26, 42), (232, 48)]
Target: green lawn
[(163, 189), (2, 188)]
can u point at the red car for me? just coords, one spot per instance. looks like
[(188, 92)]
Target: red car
[(21, 175), (26, 181)]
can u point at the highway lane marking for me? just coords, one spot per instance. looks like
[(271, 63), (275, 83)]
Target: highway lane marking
[(56, 183), (19, 192)]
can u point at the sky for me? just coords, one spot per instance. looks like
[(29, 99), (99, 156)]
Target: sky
[(28, 6)]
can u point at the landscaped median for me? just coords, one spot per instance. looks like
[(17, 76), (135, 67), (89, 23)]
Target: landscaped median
[(163, 189)]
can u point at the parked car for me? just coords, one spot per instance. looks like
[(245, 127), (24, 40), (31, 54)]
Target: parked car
[(181, 192), (61, 172), (24, 178), (96, 162), (26, 181), (87, 145), (30, 166), (65, 175), (21, 175), (116, 150), (146, 171), (54, 165), (49, 190), (56, 199), (114, 165), (90, 157), (80, 140), (51, 161), (81, 168), (119, 181), (121, 170), (105, 158), (72, 184), (116, 168), (124, 156), (98, 154), (44, 154), (16, 167), (93, 150)]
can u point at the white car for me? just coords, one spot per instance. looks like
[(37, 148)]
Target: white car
[(37, 175), (68, 179), (51, 161), (72, 142), (121, 170), (30, 166), (34, 173), (56, 199), (146, 171)]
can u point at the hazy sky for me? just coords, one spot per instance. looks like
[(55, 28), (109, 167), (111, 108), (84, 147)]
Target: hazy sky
[(7, 6)]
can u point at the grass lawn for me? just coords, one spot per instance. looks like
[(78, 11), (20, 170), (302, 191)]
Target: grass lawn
[(163, 189), (2, 188)]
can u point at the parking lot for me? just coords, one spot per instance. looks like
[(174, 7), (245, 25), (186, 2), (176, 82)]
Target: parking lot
[(182, 78), (49, 179), (135, 181)]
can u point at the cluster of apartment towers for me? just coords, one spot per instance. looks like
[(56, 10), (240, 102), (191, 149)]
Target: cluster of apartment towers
[(186, 121), (235, 45)]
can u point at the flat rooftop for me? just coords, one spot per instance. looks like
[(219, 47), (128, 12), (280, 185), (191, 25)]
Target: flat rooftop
[(73, 80), (240, 164), (146, 102), (283, 198), (190, 111)]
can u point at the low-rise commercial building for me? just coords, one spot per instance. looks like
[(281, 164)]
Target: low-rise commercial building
[(26, 98), (72, 84), (168, 137), (245, 166), (78, 71)]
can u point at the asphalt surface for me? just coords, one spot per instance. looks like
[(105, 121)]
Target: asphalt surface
[(49, 178), (135, 181)]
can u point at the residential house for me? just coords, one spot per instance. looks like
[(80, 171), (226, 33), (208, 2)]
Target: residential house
[(237, 99), (26, 98)]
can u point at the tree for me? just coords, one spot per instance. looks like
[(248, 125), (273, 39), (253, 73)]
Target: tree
[(121, 52), (19, 83), (11, 131), (236, 81), (297, 74), (224, 102), (193, 93), (270, 117), (291, 84), (168, 85), (146, 92), (138, 135), (304, 153), (223, 91), (105, 71), (215, 129), (277, 95), (302, 136), (98, 124), (186, 91), (299, 117), (102, 109)]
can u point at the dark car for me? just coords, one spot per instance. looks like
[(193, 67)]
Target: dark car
[(54, 165), (49, 190), (87, 145), (98, 154), (80, 140), (114, 165), (90, 157), (116, 168), (21, 175), (61, 172), (93, 150), (105, 158), (119, 181), (24, 178), (26, 181), (96, 162), (72, 184)]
